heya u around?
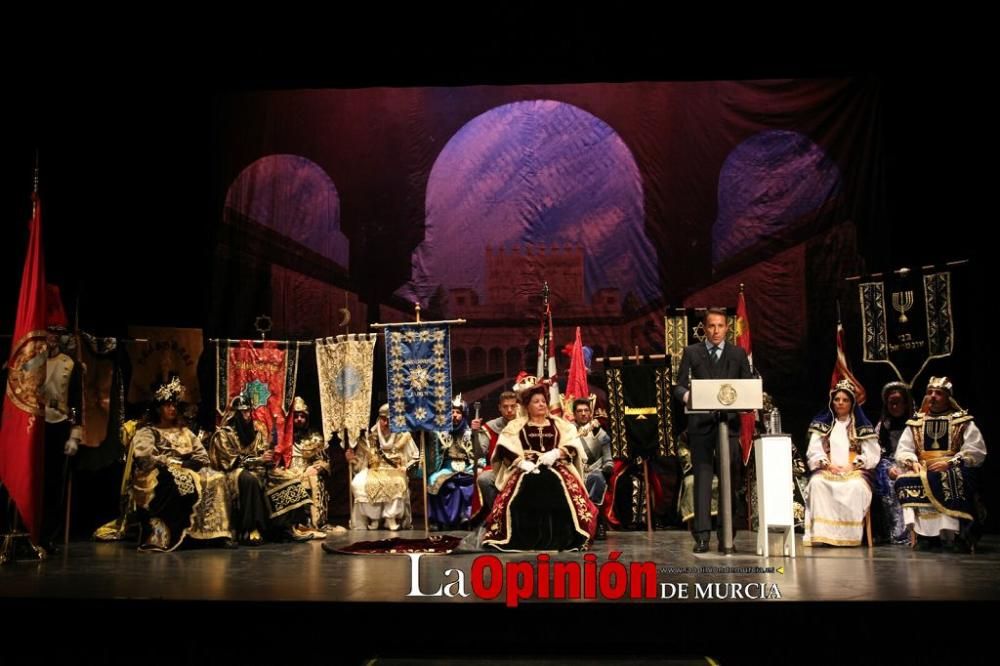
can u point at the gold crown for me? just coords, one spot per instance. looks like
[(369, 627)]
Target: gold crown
[(845, 385), (458, 403), (939, 383), (172, 391), (299, 405)]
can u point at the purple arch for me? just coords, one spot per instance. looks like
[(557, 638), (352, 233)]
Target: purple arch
[(296, 198), (535, 174), (768, 183)]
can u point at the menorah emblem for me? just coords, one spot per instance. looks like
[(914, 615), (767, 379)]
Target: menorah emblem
[(936, 429), (901, 302)]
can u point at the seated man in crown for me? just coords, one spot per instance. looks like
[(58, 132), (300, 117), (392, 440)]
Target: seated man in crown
[(309, 466), (264, 505), (380, 485), (449, 486), (941, 450)]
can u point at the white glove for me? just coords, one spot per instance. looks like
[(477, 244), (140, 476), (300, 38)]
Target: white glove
[(72, 444), (550, 457), (527, 466)]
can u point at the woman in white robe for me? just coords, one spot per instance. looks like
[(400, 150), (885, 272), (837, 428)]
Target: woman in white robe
[(843, 448)]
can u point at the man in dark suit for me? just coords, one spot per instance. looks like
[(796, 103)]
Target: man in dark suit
[(711, 359)]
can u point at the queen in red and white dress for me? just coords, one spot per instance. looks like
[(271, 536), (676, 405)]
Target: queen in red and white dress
[(542, 504)]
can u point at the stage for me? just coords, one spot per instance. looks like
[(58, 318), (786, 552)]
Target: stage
[(304, 572), (96, 592)]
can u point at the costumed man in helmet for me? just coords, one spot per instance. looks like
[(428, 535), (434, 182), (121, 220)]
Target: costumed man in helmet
[(941, 450), (380, 486), (242, 448), (176, 493), (450, 484), (310, 464)]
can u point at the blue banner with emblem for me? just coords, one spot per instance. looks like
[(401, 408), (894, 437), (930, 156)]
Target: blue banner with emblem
[(418, 377)]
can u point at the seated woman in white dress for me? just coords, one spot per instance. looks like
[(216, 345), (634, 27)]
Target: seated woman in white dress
[(842, 448)]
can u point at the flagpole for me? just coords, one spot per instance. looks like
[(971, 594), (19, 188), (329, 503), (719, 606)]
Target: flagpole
[(423, 434), (420, 323), (645, 476), (286, 343), (423, 452), (350, 478), (650, 357), (75, 421)]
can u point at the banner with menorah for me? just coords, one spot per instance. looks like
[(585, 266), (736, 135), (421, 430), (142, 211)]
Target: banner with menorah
[(907, 321)]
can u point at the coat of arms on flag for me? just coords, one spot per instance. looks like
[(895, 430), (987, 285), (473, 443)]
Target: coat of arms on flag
[(418, 377)]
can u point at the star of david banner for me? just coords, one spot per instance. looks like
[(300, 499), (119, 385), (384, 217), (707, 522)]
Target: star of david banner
[(345, 383), (418, 378)]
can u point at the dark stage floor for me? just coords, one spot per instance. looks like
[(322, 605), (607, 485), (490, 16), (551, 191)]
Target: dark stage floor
[(282, 589), (305, 572)]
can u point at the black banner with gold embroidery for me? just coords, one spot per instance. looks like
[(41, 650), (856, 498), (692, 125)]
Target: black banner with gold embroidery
[(907, 321), (639, 411)]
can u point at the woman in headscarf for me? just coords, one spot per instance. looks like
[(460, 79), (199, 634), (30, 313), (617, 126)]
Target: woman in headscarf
[(897, 407), (842, 450), (542, 504)]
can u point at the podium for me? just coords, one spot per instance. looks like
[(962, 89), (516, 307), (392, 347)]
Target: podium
[(774, 492), (720, 396)]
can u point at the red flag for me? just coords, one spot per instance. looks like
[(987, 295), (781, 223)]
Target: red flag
[(748, 419), (842, 371), (576, 384), (21, 460)]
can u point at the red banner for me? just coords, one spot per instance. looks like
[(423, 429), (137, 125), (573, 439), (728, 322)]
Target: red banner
[(21, 459), (742, 333), (259, 373), (576, 384)]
